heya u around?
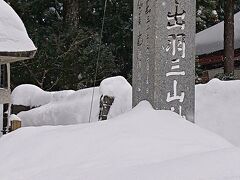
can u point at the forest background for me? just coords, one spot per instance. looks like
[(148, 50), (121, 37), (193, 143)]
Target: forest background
[(67, 35)]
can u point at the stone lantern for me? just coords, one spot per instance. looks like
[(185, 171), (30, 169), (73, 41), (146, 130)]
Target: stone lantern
[(15, 45)]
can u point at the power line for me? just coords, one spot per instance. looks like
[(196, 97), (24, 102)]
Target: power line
[(98, 57)]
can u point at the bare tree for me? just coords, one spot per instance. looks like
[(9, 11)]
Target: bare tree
[(229, 37)]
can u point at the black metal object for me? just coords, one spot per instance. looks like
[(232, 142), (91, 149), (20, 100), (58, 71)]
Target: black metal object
[(105, 105)]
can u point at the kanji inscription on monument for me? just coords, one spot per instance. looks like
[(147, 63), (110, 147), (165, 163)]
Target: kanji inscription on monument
[(164, 55)]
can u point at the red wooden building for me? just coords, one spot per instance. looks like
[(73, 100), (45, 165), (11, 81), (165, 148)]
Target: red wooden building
[(209, 49)]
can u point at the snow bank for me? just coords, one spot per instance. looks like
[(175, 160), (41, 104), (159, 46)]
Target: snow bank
[(69, 107), (73, 109), (211, 39), (33, 96), (217, 108), (142, 144), (13, 35)]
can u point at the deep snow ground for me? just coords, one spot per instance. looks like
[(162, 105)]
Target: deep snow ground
[(142, 144)]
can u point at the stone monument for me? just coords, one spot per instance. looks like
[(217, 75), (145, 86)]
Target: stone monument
[(164, 55)]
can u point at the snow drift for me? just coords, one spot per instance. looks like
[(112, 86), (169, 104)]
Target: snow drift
[(217, 108), (142, 144)]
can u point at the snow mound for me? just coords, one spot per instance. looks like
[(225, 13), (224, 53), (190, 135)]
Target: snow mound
[(13, 35), (212, 39), (121, 90), (141, 144), (217, 108), (69, 107), (73, 109), (33, 96)]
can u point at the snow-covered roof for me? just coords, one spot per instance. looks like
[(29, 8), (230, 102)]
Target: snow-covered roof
[(212, 39), (14, 40)]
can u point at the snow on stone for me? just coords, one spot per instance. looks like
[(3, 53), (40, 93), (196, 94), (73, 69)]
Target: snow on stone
[(217, 108), (141, 144), (13, 35), (33, 96), (211, 39), (67, 107), (121, 90)]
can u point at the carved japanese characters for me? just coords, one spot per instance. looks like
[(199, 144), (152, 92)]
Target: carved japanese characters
[(164, 55)]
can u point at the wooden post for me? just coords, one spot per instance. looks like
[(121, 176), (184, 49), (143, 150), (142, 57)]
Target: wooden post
[(15, 124)]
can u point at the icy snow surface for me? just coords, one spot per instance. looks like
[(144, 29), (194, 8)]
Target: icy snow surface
[(13, 35), (211, 39), (142, 144)]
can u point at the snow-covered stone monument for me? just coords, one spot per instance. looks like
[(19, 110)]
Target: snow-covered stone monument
[(15, 45), (164, 55)]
